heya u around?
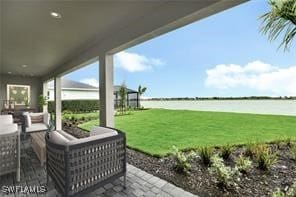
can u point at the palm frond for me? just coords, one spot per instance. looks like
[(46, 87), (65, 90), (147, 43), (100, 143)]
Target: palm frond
[(281, 20)]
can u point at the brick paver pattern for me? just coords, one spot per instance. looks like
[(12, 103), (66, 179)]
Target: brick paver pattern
[(139, 182)]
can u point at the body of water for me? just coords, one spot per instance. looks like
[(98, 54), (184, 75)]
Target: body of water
[(277, 107)]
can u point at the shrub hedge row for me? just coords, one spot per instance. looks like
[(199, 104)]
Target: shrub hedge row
[(76, 105)]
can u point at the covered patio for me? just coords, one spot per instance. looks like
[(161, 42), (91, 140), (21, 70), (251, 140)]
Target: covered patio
[(43, 41)]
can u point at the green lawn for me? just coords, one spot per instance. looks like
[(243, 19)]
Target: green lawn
[(156, 131)]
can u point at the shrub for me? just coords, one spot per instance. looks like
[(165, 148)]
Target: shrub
[(265, 157), (278, 193), (250, 150), (292, 190), (278, 143), (243, 164), (205, 154), (76, 105), (123, 113), (290, 193), (224, 175), (182, 161), (226, 151), (293, 152), (67, 112), (289, 142)]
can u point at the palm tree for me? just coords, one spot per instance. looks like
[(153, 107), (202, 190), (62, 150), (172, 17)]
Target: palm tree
[(141, 91), (122, 99), (280, 20)]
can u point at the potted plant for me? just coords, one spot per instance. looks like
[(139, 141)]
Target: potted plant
[(42, 101), (50, 128), (27, 104)]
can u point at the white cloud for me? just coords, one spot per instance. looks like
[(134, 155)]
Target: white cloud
[(133, 62), (256, 75), (91, 81)]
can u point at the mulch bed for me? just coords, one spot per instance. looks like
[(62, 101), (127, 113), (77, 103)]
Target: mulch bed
[(75, 131), (199, 181)]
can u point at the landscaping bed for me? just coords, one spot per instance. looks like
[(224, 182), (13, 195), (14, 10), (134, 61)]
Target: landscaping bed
[(75, 131), (151, 134), (199, 180)]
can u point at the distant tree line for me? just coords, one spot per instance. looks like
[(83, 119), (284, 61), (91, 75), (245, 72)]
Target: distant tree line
[(225, 98)]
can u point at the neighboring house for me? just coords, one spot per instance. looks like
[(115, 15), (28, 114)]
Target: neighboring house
[(73, 90)]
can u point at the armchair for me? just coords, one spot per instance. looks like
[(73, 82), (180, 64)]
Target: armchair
[(32, 122)]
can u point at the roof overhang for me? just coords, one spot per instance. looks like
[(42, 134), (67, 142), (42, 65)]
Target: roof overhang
[(52, 47)]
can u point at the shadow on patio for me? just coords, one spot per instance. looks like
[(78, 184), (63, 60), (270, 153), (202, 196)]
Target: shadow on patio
[(139, 183)]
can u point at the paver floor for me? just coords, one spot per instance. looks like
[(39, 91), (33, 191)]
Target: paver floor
[(139, 182)]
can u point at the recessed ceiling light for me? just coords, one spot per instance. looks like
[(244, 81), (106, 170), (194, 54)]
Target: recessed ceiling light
[(56, 15), (24, 66), (9, 72)]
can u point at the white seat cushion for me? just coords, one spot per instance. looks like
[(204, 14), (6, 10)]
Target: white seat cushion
[(96, 130), (46, 118), (8, 128), (63, 138), (58, 138), (67, 135), (36, 127), (28, 121), (96, 133), (6, 119)]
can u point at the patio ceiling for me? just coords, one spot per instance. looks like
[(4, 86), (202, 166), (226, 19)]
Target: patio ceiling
[(50, 46)]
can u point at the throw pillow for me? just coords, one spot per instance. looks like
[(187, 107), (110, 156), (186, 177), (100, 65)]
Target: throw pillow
[(36, 118), (28, 122)]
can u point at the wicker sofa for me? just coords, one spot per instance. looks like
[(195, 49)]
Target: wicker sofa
[(9, 146), (78, 166)]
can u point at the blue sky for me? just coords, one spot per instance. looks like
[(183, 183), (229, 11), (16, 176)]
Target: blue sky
[(222, 55)]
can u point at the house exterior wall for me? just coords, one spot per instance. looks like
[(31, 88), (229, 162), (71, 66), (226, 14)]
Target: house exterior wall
[(75, 95), (35, 84), (90, 95)]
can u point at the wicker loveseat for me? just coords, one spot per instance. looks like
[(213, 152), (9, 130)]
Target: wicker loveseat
[(9, 146), (77, 166)]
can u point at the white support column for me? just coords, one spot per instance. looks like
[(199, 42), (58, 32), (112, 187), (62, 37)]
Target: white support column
[(106, 90), (45, 109), (58, 102)]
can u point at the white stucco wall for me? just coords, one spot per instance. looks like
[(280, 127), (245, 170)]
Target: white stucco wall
[(75, 95), (88, 95)]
